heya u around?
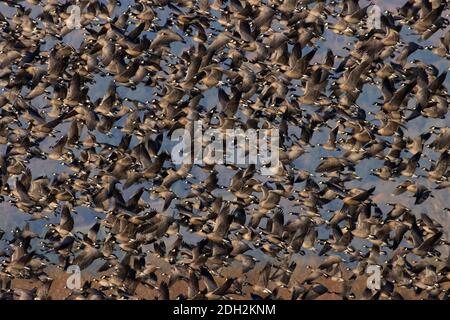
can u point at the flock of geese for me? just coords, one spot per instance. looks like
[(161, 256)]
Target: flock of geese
[(229, 64)]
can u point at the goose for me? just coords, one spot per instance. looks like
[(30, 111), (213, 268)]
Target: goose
[(357, 119)]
